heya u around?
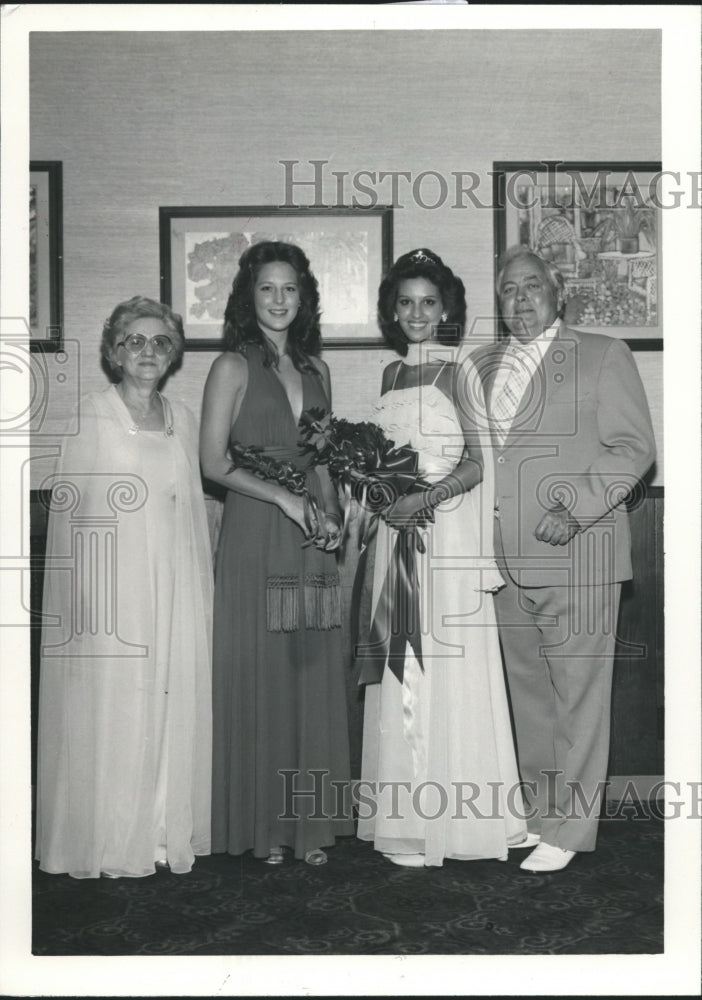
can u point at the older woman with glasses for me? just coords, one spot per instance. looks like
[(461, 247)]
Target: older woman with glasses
[(124, 748)]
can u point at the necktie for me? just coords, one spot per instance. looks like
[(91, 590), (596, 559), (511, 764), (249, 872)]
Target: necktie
[(505, 405)]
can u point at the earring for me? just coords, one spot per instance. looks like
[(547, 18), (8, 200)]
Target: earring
[(444, 317), (394, 319)]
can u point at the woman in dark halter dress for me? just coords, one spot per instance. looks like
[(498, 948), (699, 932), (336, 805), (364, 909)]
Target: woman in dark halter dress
[(280, 723)]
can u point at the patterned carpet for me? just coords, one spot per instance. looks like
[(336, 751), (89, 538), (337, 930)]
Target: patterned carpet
[(607, 902)]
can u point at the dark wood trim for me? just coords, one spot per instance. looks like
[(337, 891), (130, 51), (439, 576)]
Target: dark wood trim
[(501, 168), (168, 212), (644, 344), (586, 166), (54, 342)]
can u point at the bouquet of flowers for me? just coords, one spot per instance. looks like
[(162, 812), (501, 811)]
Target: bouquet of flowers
[(370, 469), (361, 461), (253, 459)]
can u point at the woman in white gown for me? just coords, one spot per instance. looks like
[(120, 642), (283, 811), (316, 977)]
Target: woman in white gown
[(125, 732), (439, 774)]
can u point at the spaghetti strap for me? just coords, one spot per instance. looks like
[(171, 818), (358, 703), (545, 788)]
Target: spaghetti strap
[(438, 374), (397, 369)]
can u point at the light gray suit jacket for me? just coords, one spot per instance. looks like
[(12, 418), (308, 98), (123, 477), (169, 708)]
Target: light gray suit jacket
[(582, 435)]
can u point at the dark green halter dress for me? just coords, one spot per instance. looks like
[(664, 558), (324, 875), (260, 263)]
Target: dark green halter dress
[(279, 703)]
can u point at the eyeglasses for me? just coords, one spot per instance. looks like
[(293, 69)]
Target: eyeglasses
[(135, 343)]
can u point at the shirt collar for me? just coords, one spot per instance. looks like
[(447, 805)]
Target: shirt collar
[(538, 345)]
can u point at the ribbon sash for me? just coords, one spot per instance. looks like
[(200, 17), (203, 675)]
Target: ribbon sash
[(396, 621)]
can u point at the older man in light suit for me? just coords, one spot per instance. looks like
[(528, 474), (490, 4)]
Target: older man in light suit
[(572, 436)]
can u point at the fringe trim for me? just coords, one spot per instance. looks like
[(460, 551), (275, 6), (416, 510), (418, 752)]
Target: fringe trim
[(322, 601), (282, 603), (322, 596)]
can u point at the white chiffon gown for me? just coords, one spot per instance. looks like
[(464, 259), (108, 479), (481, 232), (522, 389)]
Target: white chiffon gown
[(441, 739), (125, 714)]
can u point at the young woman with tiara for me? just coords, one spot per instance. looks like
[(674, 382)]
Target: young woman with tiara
[(439, 773)]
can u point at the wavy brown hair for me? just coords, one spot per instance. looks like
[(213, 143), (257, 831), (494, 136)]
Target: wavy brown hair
[(240, 325)]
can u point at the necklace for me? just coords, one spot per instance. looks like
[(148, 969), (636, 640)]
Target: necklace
[(167, 416)]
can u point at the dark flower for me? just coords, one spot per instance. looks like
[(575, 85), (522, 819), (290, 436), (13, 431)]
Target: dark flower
[(253, 459), (360, 459)]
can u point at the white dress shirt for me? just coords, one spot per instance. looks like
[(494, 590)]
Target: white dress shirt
[(530, 355)]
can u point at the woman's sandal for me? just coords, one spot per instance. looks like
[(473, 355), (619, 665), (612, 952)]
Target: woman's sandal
[(275, 857), (316, 857)]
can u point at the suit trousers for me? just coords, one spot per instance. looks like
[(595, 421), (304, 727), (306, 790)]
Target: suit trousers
[(558, 646)]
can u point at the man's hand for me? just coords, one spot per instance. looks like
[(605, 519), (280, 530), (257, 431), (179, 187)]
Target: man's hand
[(557, 526)]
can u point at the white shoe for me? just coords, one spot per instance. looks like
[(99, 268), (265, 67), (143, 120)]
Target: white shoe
[(406, 860), (275, 857), (547, 858), (531, 840)]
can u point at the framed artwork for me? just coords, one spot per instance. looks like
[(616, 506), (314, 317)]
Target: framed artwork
[(349, 250), (600, 224), (45, 255)]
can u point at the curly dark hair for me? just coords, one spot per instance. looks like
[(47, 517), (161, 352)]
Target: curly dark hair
[(422, 263), (123, 315), (240, 325)]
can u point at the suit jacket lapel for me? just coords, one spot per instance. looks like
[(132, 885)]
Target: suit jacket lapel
[(545, 381), (558, 362)]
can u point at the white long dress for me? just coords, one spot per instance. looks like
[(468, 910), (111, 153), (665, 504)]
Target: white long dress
[(124, 737), (444, 731)]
